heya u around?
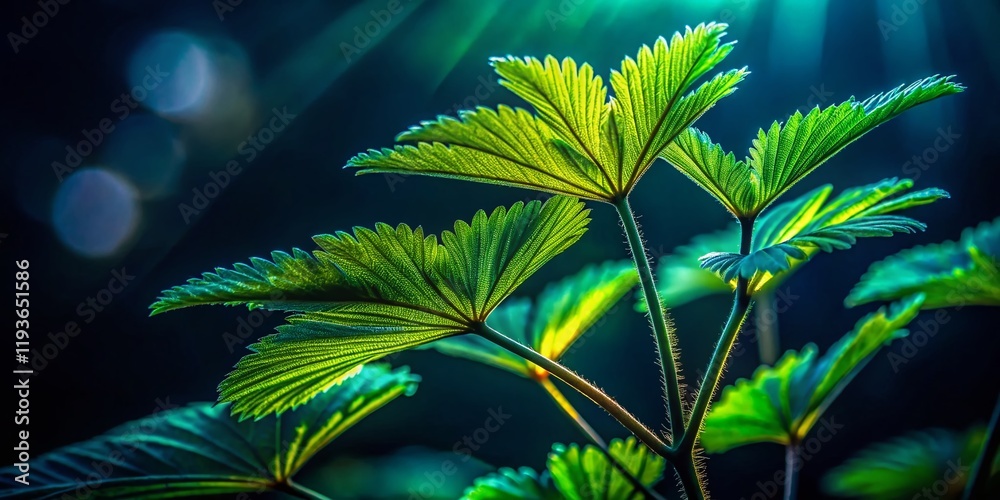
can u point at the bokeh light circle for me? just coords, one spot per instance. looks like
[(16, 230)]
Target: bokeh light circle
[(172, 73), (95, 212)]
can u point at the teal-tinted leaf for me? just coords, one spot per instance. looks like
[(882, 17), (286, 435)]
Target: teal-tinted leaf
[(951, 274), (200, 450), (510, 484), (563, 312), (587, 474), (792, 233), (399, 289), (581, 143), (784, 239), (785, 153), (781, 404), (936, 460)]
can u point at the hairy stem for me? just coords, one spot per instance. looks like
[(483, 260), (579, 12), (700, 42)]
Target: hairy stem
[(766, 325), (299, 491), (648, 437), (664, 343), (595, 438), (979, 478), (684, 448), (792, 467)]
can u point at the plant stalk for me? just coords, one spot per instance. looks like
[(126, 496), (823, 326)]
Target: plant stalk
[(299, 491), (662, 334), (979, 478), (643, 433), (741, 305), (581, 424), (792, 467)]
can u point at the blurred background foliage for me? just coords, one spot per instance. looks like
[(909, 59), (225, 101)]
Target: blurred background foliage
[(306, 78)]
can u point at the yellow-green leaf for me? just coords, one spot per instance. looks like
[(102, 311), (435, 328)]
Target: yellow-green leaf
[(581, 143), (585, 473), (786, 152)]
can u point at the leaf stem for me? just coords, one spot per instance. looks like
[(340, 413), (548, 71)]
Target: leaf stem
[(661, 332), (979, 478), (299, 491), (585, 428), (741, 305), (792, 467), (643, 433)]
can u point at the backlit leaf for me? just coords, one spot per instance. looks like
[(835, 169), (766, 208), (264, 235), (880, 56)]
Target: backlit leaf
[(786, 152), (395, 289), (581, 143), (587, 474), (787, 236), (782, 403), (563, 312)]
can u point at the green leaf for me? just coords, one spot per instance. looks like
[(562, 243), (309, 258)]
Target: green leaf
[(581, 143), (787, 236), (510, 484), (290, 282), (199, 450), (587, 474), (563, 312), (651, 106), (785, 153), (966, 272), (905, 467), (781, 404), (397, 289)]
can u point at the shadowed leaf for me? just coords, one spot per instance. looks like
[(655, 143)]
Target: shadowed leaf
[(510, 484), (780, 404), (966, 272), (909, 466), (200, 450)]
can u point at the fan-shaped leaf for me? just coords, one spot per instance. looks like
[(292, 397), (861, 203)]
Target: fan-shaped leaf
[(786, 153), (397, 289), (906, 467), (563, 312), (508, 147), (580, 144), (510, 484), (781, 404), (587, 474), (199, 450), (966, 272), (787, 236)]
